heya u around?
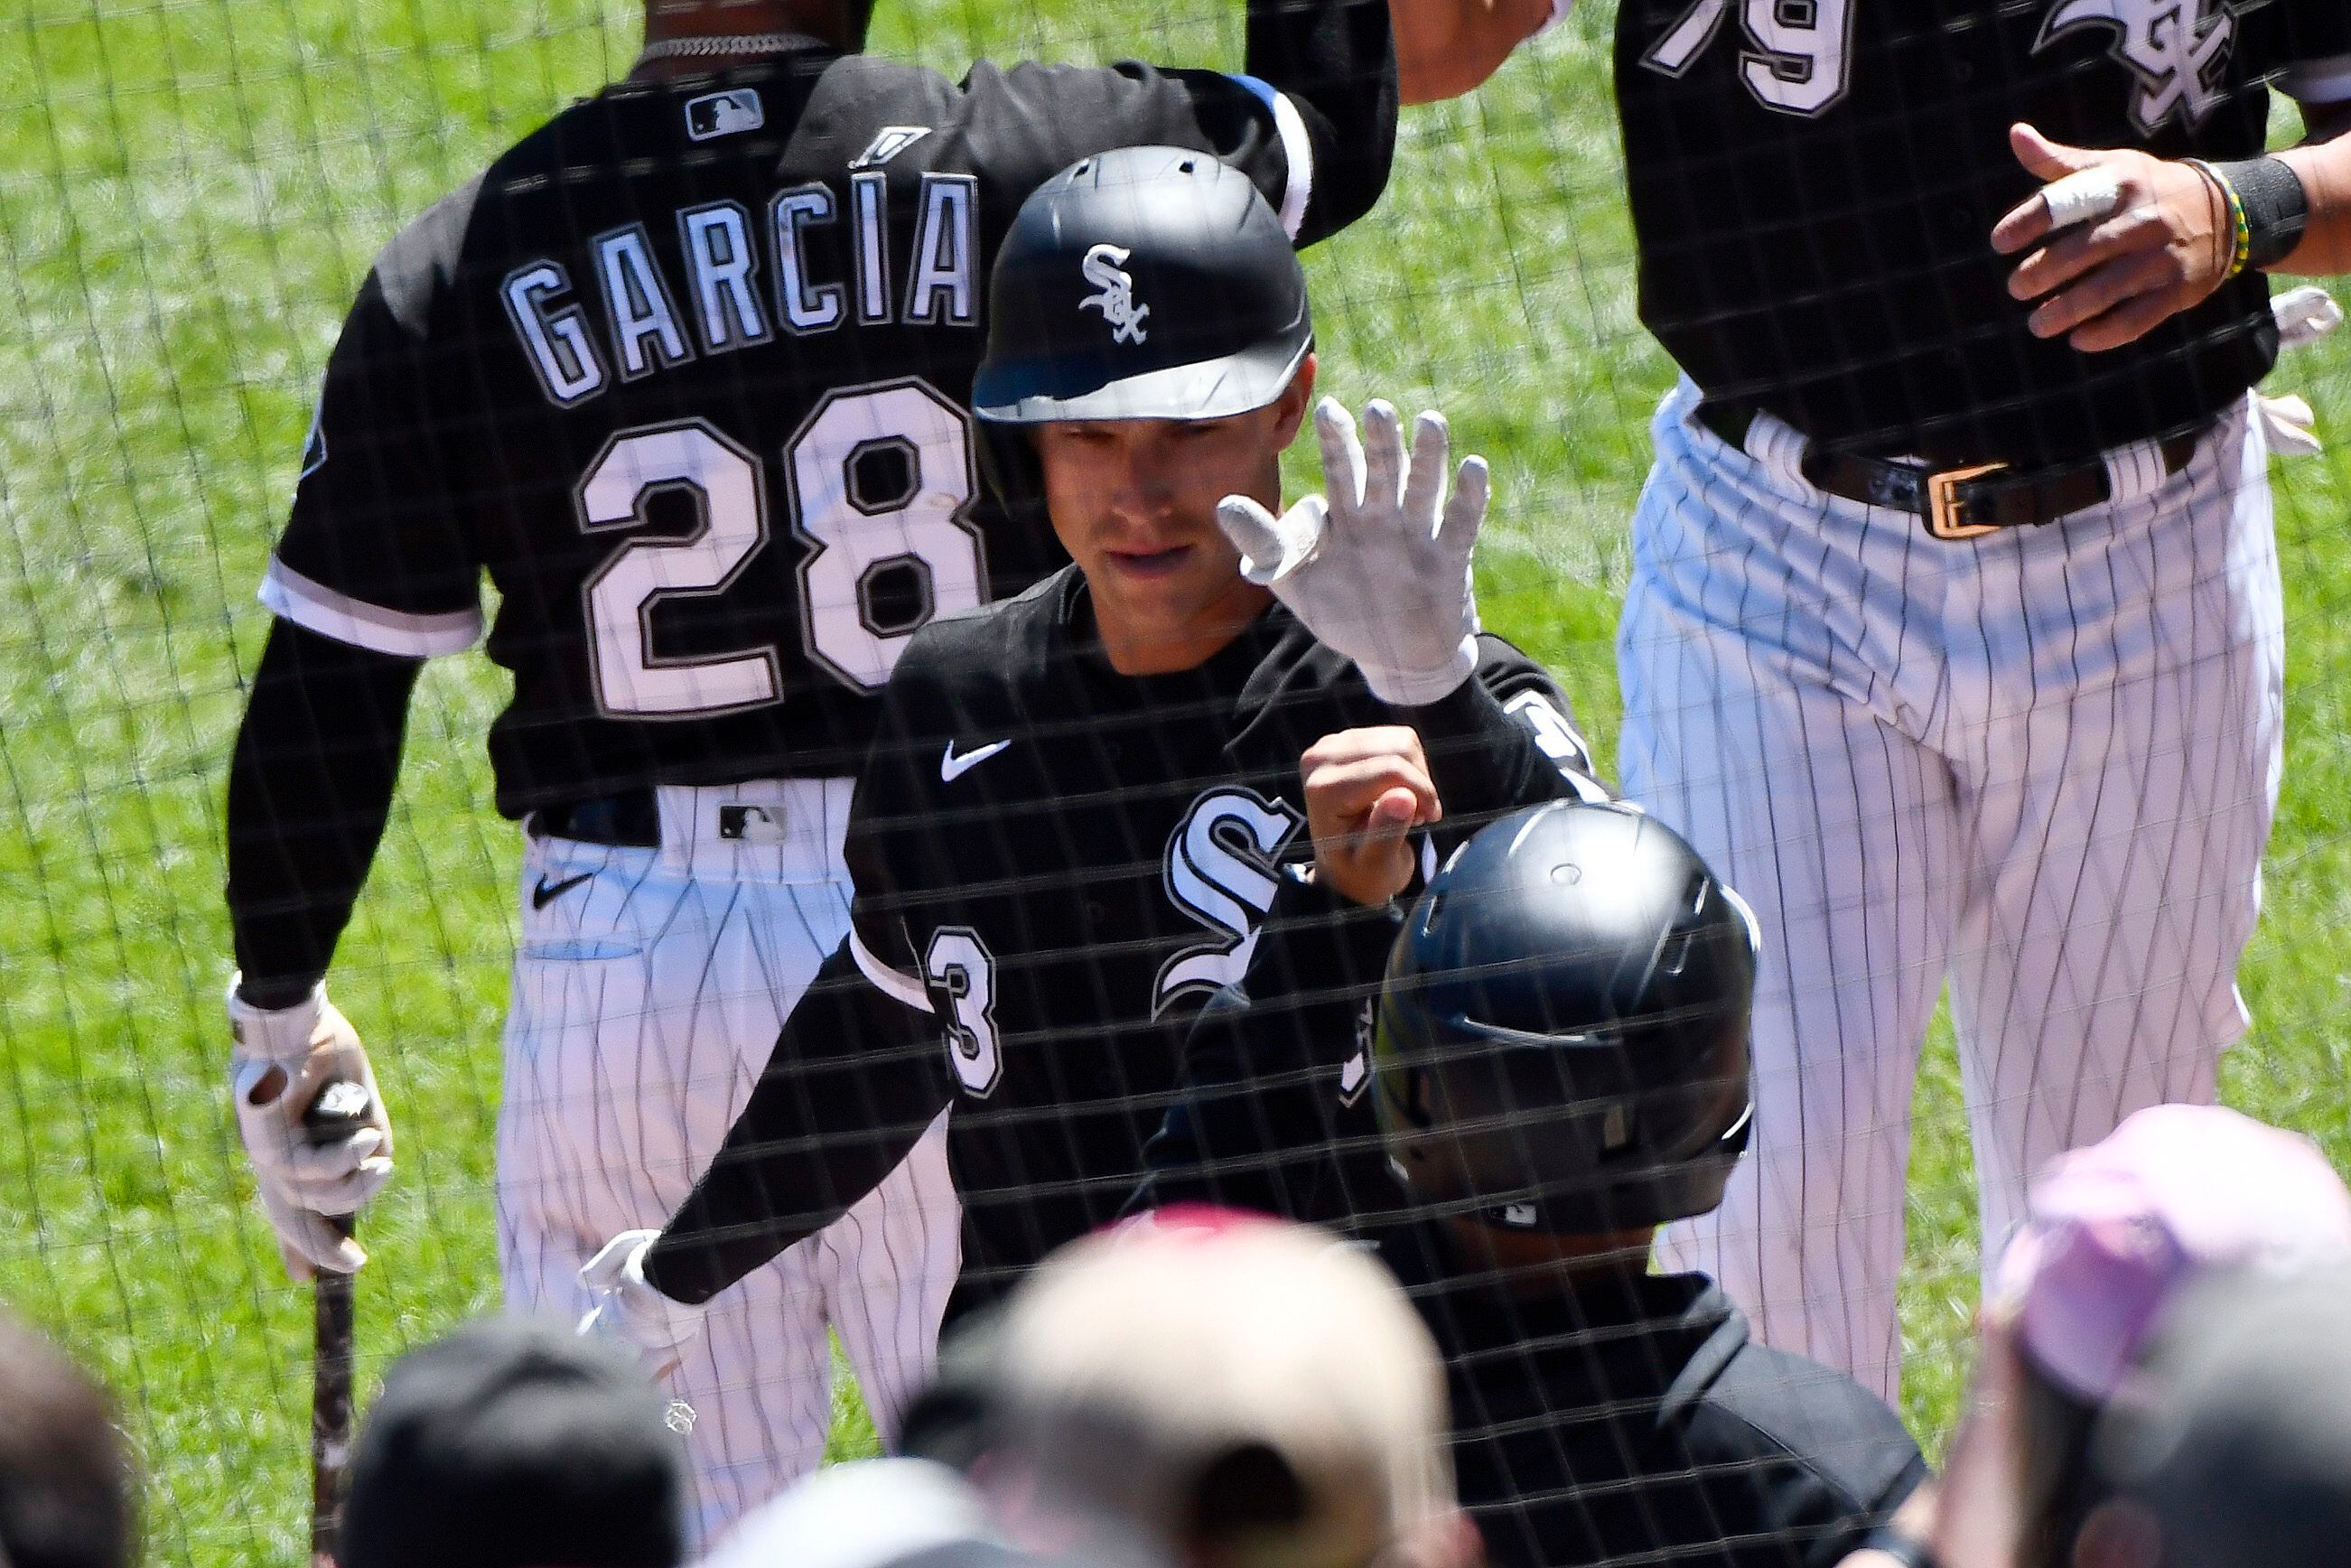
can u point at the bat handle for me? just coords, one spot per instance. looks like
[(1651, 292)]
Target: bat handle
[(339, 1109)]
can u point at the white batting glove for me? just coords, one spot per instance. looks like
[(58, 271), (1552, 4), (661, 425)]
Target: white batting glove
[(281, 1059), (630, 1311), (1380, 570)]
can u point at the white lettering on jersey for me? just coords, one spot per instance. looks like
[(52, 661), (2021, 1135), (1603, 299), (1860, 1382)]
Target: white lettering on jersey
[(944, 286), (807, 305), (887, 143), (641, 315), (1116, 300), (556, 342), (1220, 871), (724, 113), (717, 240), (1798, 54), (2178, 51), (960, 972), (869, 196)]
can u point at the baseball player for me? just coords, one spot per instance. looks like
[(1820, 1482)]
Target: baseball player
[(685, 372), (1081, 801), (1560, 1065), (1954, 636)]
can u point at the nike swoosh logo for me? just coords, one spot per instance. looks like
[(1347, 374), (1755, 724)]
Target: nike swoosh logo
[(952, 767), (546, 892)]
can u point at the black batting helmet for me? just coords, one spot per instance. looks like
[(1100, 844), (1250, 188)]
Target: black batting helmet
[(1561, 1043), (1147, 283)]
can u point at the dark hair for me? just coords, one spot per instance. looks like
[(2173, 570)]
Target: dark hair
[(66, 1496)]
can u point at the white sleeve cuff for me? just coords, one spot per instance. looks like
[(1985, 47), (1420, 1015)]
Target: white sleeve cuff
[(890, 982), (1557, 13), (1297, 151), (314, 606), (2319, 81)]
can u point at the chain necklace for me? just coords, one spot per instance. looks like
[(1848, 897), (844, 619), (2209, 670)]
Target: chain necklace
[(714, 46)]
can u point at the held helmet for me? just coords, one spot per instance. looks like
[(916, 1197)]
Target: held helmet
[(1147, 283), (1562, 1042)]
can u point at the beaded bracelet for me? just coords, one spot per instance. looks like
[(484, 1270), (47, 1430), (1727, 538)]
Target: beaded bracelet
[(2240, 227)]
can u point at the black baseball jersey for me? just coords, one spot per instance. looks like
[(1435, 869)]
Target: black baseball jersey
[(1814, 187), (1054, 863), (685, 374), (1633, 1421)]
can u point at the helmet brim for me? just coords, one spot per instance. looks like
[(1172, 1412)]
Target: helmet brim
[(1043, 389)]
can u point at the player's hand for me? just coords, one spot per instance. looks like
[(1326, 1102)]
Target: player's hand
[(1380, 570), (2119, 241), (629, 1311), (1366, 791), (281, 1059)]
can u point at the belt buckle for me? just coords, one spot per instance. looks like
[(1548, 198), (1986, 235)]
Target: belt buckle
[(1943, 503)]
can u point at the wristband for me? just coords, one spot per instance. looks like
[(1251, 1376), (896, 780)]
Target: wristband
[(2275, 205), (2240, 229)]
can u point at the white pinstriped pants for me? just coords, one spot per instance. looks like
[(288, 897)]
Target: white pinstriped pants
[(2040, 765), (646, 1002)]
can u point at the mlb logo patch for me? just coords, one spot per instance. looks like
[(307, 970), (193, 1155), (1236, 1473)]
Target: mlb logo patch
[(724, 113)]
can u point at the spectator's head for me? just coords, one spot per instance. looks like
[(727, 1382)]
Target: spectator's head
[(1148, 326), (2233, 1448), (2114, 1233), (1560, 1053), (66, 1493), (515, 1444), (872, 1513), (1218, 1390)]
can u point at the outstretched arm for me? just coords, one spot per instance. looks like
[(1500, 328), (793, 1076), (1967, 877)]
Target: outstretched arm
[(856, 1075)]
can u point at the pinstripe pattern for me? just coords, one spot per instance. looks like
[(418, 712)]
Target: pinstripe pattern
[(645, 1004), (2040, 767)]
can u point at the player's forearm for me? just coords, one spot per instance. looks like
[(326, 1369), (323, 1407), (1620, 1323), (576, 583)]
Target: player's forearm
[(1487, 760), (854, 1080), (1446, 47), (2323, 165), (310, 790), (1336, 60)]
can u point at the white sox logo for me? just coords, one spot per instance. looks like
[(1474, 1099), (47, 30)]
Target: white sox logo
[(2177, 49), (1116, 300), (1220, 871)]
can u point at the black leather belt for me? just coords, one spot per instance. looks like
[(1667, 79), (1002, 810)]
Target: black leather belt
[(1954, 503), (629, 820)]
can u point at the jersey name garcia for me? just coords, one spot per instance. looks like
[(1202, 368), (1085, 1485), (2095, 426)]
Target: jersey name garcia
[(685, 374), (1813, 188)]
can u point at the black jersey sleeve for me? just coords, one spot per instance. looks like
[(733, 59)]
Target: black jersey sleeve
[(1271, 1111), (309, 789), (1819, 1462), (859, 1069), (1311, 120), (855, 1078), (378, 550)]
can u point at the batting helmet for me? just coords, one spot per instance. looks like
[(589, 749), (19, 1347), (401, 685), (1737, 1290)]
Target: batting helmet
[(1562, 1042), (1147, 283)]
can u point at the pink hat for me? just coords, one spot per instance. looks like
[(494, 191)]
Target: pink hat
[(2112, 1230)]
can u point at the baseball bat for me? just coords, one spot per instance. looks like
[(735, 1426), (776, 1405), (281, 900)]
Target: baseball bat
[(339, 1110)]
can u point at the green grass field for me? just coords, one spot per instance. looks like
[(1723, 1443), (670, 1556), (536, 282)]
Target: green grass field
[(189, 192)]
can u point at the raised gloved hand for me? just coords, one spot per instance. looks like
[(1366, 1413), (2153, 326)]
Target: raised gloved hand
[(630, 1312), (282, 1058), (1380, 569)]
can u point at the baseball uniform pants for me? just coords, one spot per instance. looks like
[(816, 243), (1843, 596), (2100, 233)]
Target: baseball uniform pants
[(2039, 766)]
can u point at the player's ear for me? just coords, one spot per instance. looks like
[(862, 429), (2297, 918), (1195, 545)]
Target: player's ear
[(1290, 408)]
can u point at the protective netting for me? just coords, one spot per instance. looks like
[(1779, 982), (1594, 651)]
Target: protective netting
[(190, 195)]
